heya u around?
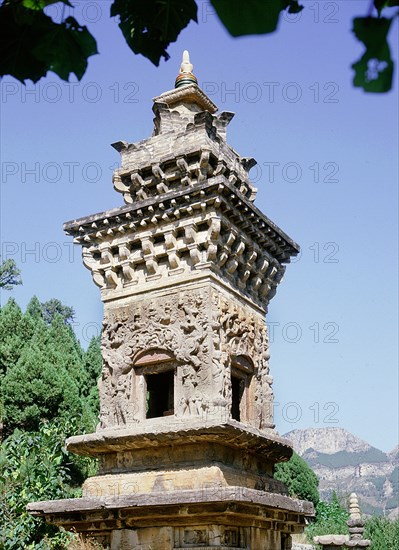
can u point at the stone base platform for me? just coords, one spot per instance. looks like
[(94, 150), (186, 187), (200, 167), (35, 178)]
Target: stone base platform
[(184, 457), (214, 517)]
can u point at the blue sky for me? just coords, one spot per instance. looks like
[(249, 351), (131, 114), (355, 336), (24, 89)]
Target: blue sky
[(327, 175)]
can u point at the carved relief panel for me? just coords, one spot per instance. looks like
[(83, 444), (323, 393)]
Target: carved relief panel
[(149, 338), (191, 353), (240, 356)]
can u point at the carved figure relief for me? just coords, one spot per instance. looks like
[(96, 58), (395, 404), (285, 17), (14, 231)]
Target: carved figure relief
[(200, 333), (239, 332), (177, 324)]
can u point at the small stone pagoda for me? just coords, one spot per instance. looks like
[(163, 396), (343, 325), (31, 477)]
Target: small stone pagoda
[(186, 441), (355, 525)]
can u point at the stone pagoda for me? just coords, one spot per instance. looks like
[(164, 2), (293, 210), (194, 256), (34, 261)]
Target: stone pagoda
[(186, 441), (355, 525)]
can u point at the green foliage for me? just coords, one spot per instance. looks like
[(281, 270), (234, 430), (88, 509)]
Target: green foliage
[(383, 533), (45, 374), (48, 391), (35, 389), (35, 466), (257, 17), (150, 26), (10, 275), (300, 479), (93, 360), (92, 366), (374, 70), (33, 44), (16, 330), (381, 4), (41, 4), (35, 309), (330, 519), (10, 318), (66, 48), (54, 307), (67, 353)]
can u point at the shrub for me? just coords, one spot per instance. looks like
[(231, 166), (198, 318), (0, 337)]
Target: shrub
[(383, 533), (330, 519), (35, 466), (300, 479)]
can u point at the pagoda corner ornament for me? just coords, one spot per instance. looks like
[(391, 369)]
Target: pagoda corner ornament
[(186, 269)]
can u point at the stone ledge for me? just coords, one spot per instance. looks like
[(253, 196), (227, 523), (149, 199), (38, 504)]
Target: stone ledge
[(146, 435), (159, 504), (191, 94), (341, 541)]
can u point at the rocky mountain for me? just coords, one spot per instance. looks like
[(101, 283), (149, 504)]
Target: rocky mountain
[(394, 454), (344, 463)]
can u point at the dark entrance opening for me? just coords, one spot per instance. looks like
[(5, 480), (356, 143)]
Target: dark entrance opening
[(236, 395), (160, 394)]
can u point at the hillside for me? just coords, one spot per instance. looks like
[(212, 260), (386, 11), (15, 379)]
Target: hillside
[(345, 463)]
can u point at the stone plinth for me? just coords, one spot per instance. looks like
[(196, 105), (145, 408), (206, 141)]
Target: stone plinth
[(188, 456), (331, 542)]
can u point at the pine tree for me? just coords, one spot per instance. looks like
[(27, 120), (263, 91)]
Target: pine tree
[(93, 360), (10, 275), (48, 391), (35, 390), (300, 479), (10, 317), (34, 309), (67, 353), (54, 307), (16, 330), (92, 366)]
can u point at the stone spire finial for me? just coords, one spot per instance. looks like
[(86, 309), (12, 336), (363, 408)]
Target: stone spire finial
[(355, 523), (354, 509), (185, 76)]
